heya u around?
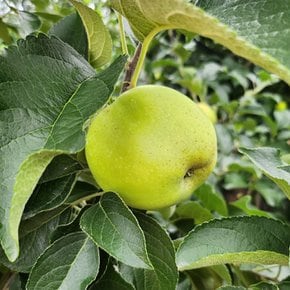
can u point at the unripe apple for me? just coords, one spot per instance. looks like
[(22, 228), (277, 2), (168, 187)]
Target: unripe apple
[(152, 145), (210, 113)]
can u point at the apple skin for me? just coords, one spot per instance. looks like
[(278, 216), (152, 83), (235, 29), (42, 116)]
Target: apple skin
[(210, 113), (153, 146)]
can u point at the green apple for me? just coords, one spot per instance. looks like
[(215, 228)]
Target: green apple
[(210, 113), (153, 146)]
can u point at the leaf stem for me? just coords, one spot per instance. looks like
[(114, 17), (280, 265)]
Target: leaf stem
[(88, 197), (122, 35)]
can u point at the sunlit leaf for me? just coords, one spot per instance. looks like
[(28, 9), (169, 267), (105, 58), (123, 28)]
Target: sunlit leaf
[(231, 240)]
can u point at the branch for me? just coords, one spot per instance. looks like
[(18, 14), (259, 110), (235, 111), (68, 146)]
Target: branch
[(131, 68)]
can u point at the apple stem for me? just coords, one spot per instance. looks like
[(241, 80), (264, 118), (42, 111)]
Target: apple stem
[(139, 58)]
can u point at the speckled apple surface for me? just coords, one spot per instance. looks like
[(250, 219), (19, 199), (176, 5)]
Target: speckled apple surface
[(153, 146)]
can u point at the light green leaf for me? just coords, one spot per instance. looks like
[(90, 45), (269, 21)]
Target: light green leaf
[(205, 278), (114, 228), (47, 93), (223, 272), (244, 203), (236, 24), (211, 199), (99, 38), (4, 33), (231, 240), (268, 160), (25, 182), (72, 262), (232, 288), (193, 210), (264, 286)]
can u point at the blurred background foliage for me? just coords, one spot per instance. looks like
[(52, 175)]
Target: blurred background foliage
[(252, 108)]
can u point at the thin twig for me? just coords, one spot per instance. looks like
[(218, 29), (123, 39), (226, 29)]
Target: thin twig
[(131, 66)]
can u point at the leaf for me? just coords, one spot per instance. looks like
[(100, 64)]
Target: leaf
[(193, 210), (161, 254), (111, 280), (231, 240), (35, 236), (49, 195), (264, 286), (268, 160), (244, 203), (114, 228), (232, 288), (211, 199), (68, 228), (60, 166), (80, 190), (270, 191), (70, 29), (223, 272), (47, 93), (235, 180), (16, 282), (72, 262), (27, 23), (205, 278), (233, 24), (99, 38), (4, 33), (284, 285)]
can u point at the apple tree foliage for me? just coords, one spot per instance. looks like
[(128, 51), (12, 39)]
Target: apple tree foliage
[(60, 64)]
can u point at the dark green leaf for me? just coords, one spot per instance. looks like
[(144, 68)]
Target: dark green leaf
[(49, 195), (231, 240), (114, 228), (35, 236), (285, 285), (72, 262), (111, 280), (60, 166), (80, 191), (70, 29), (68, 228), (162, 256), (57, 91)]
